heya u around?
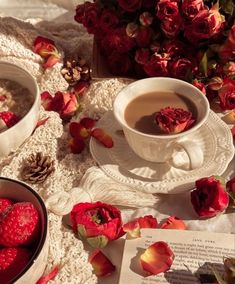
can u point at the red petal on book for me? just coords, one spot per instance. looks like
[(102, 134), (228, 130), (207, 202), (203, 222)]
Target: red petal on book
[(157, 258), (102, 266), (174, 222)]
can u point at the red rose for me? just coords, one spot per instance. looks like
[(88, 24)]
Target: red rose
[(120, 63), (108, 20), (180, 68), (144, 36), (209, 198), (142, 55), (191, 8), (157, 65), (227, 50), (97, 222), (172, 28), (229, 69), (80, 10), (174, 120), (91, 17), (130, 5), (205, 25), (167, 10), (117, 40), (227, 94), (174, 48)]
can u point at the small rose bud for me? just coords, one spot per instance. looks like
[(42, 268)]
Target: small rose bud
[(132, 29), (215, 83), (146, 19)]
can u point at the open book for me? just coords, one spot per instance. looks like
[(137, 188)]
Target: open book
[(195, 254)]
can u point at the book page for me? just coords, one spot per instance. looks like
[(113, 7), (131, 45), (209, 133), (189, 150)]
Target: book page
[(194, 253)]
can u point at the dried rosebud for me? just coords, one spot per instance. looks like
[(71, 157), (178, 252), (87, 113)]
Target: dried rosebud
[(174, 222), (157, 258), (215, 83), (46, 99), (227, 94), (146, 19), (174, 120), (78, 131), (132, 29), (102, 266)]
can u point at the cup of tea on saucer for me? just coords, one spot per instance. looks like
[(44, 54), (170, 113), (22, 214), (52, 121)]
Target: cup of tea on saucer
[(140, 107)]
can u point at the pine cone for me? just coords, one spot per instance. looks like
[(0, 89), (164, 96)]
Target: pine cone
[(37, 168), (75, 70)]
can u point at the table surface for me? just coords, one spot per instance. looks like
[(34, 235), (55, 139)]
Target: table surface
[(25, 9)]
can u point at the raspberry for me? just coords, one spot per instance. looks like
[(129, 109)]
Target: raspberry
[(12, 262), (19, 225)]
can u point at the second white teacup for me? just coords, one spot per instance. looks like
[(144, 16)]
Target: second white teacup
[(160, 148)]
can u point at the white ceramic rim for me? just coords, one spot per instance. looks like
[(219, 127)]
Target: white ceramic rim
[(36, 98), (163, 136), (44, 236)]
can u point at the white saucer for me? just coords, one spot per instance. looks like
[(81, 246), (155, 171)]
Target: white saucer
[(123, 165)]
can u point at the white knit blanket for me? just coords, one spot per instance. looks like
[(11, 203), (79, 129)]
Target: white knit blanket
[(16, 39)]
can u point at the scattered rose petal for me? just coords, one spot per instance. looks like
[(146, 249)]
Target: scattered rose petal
[(76, 145), (157, 258), (42, 122), (132, 228), (46, 99), (78, 131), (50, 276), (50, 61), (100, 135), (102, 266), (174, 222), (88, 122), (80, 88)]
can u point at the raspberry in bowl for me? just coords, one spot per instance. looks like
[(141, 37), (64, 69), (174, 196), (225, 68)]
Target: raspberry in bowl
[(19, 106), (23, 233)]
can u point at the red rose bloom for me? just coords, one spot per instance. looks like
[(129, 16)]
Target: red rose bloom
[(157, 65), (174, 120), (174, 48), (227, 50), (91, 17), (227, 94), (120, 63), (117, 40), (97, 222), (191, 8), (205, 25), (108, 20), (144, 37), (180, 68), (130, 5), (142, 56), (172, 28), (167, 10), (209, 198)]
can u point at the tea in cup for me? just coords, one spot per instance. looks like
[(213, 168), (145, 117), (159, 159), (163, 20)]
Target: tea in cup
[(136, 108)]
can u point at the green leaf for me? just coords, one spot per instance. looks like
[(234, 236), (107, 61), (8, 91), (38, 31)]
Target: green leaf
[(98, 242), (203, 64), (221, 180)]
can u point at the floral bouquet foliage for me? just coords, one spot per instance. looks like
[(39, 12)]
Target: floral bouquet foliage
[(193, 40)]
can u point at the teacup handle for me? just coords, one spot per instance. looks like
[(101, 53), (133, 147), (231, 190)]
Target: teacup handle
[(194, 153)]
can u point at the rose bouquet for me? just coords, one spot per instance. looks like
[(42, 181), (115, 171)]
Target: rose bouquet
[(192, 40)]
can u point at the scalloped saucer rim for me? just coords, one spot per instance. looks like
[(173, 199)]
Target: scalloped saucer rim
[(123, 165)]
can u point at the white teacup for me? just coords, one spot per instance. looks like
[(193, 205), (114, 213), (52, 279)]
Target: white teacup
[(160, 148), (13, 137)]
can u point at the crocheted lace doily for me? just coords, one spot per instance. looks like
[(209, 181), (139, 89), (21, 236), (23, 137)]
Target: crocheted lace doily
[(16, 39)]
